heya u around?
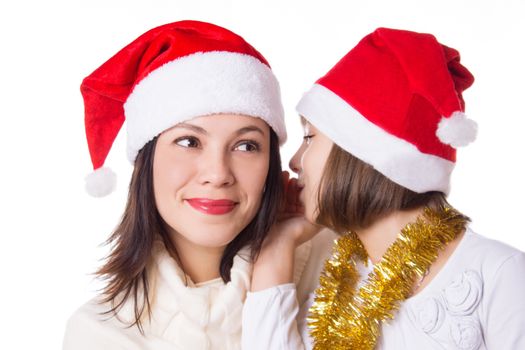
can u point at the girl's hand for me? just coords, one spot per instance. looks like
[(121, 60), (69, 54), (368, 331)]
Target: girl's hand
[(275, 263), (291, 227)]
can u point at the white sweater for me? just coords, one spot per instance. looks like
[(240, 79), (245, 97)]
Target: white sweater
[(204, 316), (476, 301)]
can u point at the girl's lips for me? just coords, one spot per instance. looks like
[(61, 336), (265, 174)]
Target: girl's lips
[(212, 206)]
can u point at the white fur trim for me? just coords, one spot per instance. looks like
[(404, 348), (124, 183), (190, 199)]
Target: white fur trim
[(101, 182), (395, 158), (202, 84), (457, 130)]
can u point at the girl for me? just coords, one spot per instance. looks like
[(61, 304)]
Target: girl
[(381, 132), (204, 122)]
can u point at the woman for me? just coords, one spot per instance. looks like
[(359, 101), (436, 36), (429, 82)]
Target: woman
[(381, 132), (204, 122)]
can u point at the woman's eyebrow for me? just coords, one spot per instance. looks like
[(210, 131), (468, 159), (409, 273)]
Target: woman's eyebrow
[(192, 127), (198, 129), (250, 128)]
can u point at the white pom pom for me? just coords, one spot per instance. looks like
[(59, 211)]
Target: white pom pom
[(457, 130), (101, 182)]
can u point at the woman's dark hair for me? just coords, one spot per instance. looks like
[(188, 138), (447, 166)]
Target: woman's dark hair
[(353, 195), (125, 270)]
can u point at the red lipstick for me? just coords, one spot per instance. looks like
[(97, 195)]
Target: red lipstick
[(212, 206)]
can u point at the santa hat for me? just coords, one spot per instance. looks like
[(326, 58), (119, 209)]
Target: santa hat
[(170, 74), (394, 101)]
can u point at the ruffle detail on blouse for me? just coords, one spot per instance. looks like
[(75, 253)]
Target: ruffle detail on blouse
[(450, 316)]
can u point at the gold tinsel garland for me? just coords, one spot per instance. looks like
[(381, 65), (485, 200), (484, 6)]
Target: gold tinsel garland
[(340, 318)]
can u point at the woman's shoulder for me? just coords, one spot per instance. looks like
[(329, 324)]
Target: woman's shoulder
[(322, 245), (319, 249), (324, 240), (83, 325), (314, 252), (88, 317), (90, 312), (94, 326)]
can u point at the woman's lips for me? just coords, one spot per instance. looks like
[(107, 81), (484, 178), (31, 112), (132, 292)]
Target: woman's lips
[(212, 206)]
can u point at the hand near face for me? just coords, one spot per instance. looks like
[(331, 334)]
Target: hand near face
[(296, 222), (292, 204), (274, 265), (292, 228)]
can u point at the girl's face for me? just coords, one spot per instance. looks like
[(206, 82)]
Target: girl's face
[(209, 175), (308, 162)]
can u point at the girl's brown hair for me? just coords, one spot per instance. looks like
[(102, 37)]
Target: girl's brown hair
[(353, 195), (125, 270)]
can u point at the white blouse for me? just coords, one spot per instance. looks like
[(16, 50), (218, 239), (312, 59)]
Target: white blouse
[(476, 301)]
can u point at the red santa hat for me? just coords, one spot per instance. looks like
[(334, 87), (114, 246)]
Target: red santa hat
[(394, 101), (170, 74)]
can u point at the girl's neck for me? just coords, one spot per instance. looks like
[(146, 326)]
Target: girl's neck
[(383, 232), (200, 264)]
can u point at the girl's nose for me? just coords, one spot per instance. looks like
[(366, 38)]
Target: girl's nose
[(295, 162)]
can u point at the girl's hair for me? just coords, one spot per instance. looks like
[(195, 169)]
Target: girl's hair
[(126, 268), (353, 195)]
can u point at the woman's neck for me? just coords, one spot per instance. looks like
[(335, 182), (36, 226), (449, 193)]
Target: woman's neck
[(382, 233), (200, 264)]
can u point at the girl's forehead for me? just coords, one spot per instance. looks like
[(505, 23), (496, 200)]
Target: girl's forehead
[(303, 120), (307, 126)]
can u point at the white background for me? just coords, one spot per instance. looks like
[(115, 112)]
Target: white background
[(52, 230)]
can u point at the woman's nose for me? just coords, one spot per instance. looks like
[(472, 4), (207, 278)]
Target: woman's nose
[(216, 170)]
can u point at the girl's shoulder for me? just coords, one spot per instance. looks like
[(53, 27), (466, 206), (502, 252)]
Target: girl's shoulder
[(491, 255), (476, 297), (478, 268)]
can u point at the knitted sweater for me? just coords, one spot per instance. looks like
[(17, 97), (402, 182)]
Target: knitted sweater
[(196, 316)]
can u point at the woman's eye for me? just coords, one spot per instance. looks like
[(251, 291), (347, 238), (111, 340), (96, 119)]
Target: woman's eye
[(187, 141), (247, 146)]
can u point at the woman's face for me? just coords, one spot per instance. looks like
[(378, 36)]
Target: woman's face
[(209, 175), (308, 162)]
